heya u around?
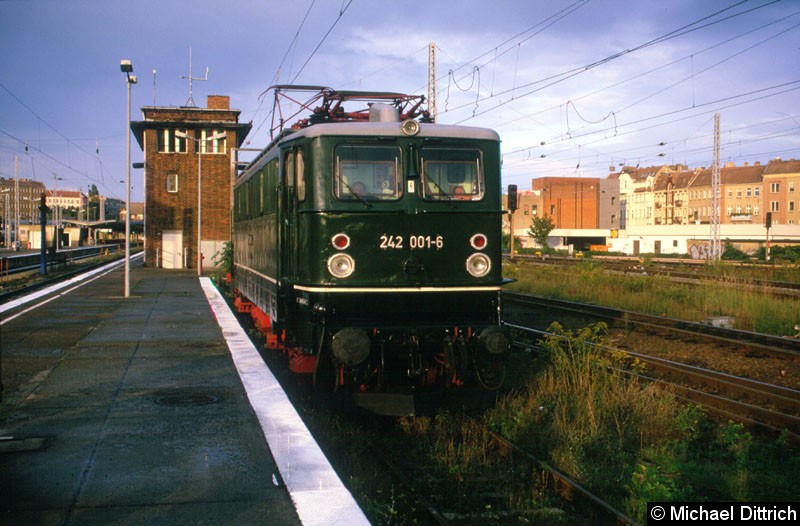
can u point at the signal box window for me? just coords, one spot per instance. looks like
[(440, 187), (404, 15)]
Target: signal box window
[(451, 174), (213, 145), (367, 173), (172, 183), (168, 142)]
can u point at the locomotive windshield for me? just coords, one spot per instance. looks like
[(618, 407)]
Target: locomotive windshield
[(367, 172), (452, 174)]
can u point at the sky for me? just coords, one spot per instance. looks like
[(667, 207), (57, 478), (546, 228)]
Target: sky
[(573, 87)]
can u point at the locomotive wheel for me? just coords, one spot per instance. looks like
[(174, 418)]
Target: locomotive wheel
[(490, 375)]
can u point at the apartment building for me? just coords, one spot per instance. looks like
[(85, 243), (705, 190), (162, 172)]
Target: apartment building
[(781, 191)]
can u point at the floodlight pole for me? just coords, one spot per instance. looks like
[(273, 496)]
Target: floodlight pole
[(126, 67)]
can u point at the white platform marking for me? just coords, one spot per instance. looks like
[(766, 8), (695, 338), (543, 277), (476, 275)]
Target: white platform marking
[(316, 490)]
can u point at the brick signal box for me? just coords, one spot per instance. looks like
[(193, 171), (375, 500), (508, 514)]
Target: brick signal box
[(173, 140)]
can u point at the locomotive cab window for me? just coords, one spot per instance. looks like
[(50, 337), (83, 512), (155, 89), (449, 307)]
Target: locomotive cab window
[(451, 174), (367, 173), (294, 172)]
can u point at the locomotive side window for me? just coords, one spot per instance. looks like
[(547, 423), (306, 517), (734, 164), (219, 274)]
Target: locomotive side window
[(288, 169), (367, 172), (300, 175), (268, 186), (451, 174), (237, 197)]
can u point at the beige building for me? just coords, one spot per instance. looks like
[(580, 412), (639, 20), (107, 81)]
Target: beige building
[(66, 200), (782, 191), (671, 198), (637, 193)]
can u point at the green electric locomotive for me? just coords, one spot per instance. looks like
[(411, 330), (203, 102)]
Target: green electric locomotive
[(367, 245)]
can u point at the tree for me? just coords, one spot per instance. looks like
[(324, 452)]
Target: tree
[(540, 230), (93, 191)]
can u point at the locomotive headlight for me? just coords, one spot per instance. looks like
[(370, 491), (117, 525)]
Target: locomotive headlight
[(478, 265), (341, 265), (410, 127)]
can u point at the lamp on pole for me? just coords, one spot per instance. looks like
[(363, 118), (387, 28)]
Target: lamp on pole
[(126, 67), (197, 142), (56, 212)]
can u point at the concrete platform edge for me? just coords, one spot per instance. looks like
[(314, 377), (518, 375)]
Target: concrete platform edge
[(318, 494)]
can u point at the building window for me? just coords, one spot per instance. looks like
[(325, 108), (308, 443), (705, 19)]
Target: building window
[(757, 191), (168, 142), (748, 209), (749, 192), (774, 206), (730, 210), (791, 186), (552, 210), (674, 243), (775, 188), (738, 192), (730, 193), (791, 206), (738, 209), (214, 145), (755, 210), (172, 183)]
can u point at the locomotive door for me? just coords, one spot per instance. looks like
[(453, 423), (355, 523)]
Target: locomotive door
[(287, 232)]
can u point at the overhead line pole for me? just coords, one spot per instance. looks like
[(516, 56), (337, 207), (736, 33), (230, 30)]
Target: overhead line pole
[(715, 252), (432, 81)]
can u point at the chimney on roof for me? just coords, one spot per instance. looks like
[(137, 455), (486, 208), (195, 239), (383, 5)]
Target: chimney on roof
[(757, 163), (219, 102), (746, 164), (730, 164)]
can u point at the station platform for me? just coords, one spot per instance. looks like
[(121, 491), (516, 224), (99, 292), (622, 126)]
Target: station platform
[(152, 409)]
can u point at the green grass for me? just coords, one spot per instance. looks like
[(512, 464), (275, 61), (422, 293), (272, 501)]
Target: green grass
[(587, 282), (631, 442)]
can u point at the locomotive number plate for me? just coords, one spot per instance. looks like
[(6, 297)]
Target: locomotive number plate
[(389, 241)]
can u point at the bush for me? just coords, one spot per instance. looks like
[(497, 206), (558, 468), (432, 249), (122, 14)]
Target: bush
[(790, 254), (733, 254)]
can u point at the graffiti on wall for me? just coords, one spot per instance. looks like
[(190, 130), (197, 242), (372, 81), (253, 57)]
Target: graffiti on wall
[(698, 248)]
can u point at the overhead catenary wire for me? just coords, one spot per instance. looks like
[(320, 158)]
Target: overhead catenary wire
[(342, 11), (785, 88), (571, 73), (656, 69)]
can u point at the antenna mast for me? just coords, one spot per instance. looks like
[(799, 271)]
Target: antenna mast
[(190, 103)]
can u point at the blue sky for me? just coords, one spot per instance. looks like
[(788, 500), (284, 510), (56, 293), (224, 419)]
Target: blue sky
[(573, 87)]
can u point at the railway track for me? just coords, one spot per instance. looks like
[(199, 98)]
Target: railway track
[(580, 502), (766, 342), (766, 406), (781, 289), (77, 265), (422, 487), (753, 402)]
